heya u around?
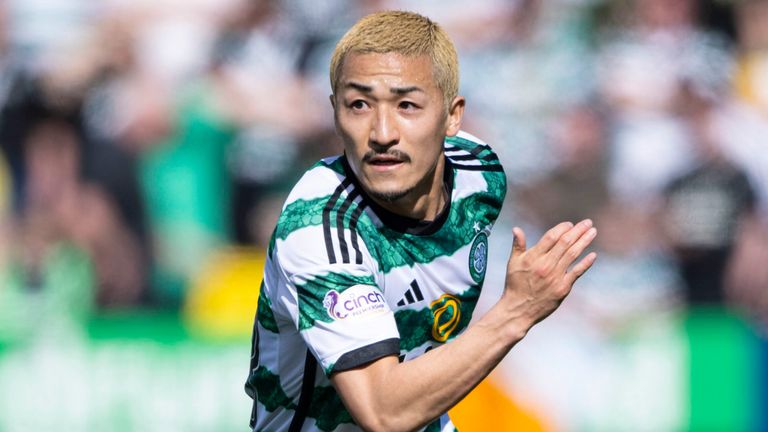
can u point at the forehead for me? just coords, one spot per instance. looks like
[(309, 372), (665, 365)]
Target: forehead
[(388, 68)]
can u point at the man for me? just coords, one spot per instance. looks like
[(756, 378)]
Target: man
[(379, 255)]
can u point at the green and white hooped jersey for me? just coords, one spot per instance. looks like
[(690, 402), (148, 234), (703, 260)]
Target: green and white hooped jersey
[(347, 282)]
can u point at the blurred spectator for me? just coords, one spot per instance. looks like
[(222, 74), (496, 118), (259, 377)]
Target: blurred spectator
[(19, 97), (71, 251), (91, 84), (747, 275), (259, 61), (184, 180), (643, 60), (520, 65), (703, 207), (638, 279), (71, 210), (577, 187)]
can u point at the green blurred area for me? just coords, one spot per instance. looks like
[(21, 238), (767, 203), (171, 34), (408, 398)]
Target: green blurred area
[(724, 372), (146, 371), (124, 372)]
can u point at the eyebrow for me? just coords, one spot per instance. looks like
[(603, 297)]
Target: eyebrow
[(359, 87), (395, 90), (405, 90)]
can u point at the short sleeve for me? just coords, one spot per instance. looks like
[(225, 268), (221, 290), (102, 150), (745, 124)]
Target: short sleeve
[(337, 308)]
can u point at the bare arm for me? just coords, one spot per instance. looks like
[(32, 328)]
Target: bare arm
[(387, 395)]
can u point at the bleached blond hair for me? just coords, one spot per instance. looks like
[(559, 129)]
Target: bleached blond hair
[(406, 33)]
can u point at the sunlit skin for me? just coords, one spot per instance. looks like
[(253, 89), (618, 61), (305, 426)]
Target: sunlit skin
[(392, 118)]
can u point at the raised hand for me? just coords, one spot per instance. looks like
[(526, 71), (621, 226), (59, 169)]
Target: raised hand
[(539, 278)]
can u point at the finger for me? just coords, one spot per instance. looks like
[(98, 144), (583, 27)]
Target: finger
[(518, 242), (550, 237), (568, 239), (580, 268), (574, 250)]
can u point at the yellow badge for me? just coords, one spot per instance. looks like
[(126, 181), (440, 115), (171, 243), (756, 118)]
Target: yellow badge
[(446, 312)]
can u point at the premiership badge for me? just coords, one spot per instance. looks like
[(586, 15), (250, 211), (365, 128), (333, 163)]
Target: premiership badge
[(478, 257), (446, 313)]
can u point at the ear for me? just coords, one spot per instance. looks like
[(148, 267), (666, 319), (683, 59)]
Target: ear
[(455, 114)]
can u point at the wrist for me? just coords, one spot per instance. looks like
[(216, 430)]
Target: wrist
[(506, 322)]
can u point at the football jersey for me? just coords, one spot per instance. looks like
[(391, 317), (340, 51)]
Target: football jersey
[(347, 282)]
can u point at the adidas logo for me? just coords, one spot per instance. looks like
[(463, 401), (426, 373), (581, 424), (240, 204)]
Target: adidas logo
[(412, 295)]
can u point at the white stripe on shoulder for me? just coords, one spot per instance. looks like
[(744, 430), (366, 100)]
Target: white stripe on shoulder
[(468, 183), (317, 182), (330, 159), (454, 151), (469, 136)]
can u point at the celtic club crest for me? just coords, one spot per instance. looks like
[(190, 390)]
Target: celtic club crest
[(478, 257)]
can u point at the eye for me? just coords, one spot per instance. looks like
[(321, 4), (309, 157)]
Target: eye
[(407, 106), (358, 105)]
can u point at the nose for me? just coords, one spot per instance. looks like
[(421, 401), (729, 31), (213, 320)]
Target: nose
[(384, 130)]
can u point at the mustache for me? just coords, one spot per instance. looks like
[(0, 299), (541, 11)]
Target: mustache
[(393, 153)]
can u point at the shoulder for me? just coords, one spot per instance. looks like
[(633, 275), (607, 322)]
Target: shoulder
[(320, 180), (477, 167), (317, 220), (305, 205), (467, 151)]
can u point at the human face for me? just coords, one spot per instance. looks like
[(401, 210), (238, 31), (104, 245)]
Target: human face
[(392, 117)]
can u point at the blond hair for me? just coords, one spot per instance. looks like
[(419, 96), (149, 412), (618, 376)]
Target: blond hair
[(406, 33)]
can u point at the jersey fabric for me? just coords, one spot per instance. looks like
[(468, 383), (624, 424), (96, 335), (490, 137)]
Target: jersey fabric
[(347, 282)]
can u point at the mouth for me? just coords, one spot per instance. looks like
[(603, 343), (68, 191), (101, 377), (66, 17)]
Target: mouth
[(384, 162)]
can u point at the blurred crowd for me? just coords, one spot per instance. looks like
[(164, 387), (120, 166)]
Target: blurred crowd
[(142, 138)]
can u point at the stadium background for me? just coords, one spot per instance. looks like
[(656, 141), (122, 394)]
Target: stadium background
[(147, 147)]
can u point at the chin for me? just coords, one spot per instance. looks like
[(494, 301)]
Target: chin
[(389, 196)]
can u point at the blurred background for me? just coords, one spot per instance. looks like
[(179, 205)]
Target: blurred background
[(147, 147)]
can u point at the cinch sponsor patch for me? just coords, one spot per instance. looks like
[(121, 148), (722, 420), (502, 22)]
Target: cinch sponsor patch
[(355, 301)]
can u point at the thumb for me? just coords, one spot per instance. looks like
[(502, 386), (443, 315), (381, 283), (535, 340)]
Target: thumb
[(518, 243)]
